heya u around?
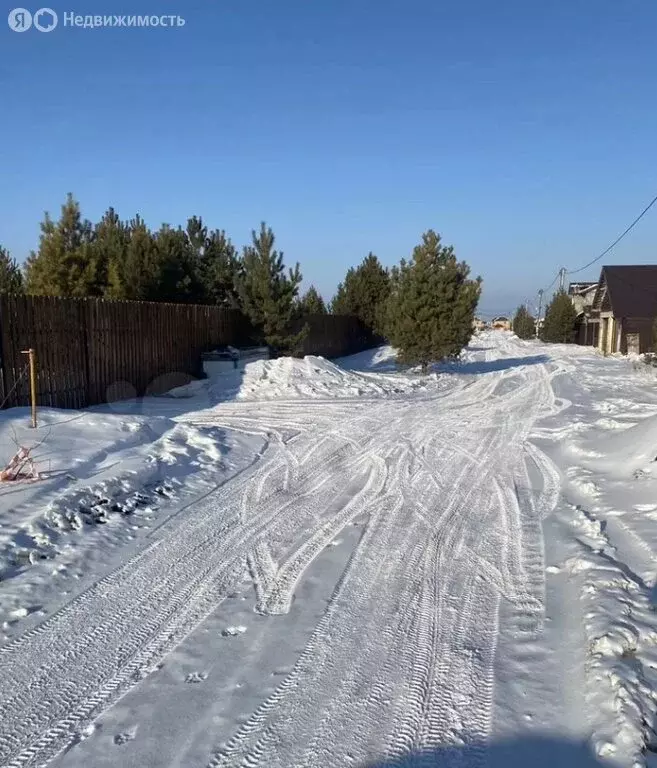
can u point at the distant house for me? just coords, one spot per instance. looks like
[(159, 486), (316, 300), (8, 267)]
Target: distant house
[(582, 295), (501, 323), (623, 310), (478, 324)]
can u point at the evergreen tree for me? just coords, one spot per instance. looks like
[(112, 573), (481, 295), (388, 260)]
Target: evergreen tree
[(178, 278), (267, 293), (221, 271), (342, 303), (364, 293), (218, 264), (135, 275), (11, 277), (108, 251), (64, 262), (524, 325), (197, 235), (311, 303), (560, 316), (432, 304)]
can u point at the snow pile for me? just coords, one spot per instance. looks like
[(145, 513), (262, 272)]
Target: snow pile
[(372, 373), (622, 639), (632, 448), (377, 359), (106, 479), (316, 377)]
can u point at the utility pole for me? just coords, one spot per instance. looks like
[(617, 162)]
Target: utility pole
[(540, 303), (562, 278)]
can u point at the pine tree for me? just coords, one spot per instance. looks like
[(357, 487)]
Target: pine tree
[(135, 276), (364, 293), (432, 304), (11, 277), (524, 325), (218, 263), (343, 303), (559, 323), (197, 235), (64, 263), (108, 251), (268, 294), (311, 303), (178, 278)]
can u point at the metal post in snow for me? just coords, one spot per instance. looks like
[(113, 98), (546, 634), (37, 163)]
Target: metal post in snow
[(540, 303)]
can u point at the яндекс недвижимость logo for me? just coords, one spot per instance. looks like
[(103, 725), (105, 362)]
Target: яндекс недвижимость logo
[(20, 20), (45, 20)]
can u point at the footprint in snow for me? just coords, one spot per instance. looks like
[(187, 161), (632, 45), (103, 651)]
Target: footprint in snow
[(196, 677), (232, 631), (84, 733), (124, 738)]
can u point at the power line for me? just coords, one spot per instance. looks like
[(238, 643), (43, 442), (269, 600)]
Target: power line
[(618, 239), (556, 277)]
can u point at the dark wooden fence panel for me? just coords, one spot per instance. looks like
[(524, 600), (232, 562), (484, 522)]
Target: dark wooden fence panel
[(55, 329), (335, 336), (92, 351)]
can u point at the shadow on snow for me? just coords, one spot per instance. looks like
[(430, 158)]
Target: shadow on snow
[(488, 366), (537, 752)]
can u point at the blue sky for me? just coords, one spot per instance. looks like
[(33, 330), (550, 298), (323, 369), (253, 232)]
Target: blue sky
[(523, 132)]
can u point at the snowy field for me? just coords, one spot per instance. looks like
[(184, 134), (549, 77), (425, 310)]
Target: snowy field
[(302, 564)]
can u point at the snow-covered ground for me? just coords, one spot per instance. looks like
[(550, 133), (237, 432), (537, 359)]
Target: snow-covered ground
[(301, 563)]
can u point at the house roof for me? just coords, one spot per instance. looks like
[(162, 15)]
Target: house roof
[(632, 289), (576, 288)]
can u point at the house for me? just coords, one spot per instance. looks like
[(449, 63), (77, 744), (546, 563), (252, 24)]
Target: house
[(478, 324), (581, 296), (624, 310), (501, 323)]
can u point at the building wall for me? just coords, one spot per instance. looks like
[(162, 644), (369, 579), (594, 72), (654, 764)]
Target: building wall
[(587, 331), (609, 340), (642, 326)]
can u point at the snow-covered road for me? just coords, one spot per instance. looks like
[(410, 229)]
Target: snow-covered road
[(395, 543)]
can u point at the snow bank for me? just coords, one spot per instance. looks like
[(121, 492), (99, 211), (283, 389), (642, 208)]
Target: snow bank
[(620, 628), (315, 377), (377, 359), (623, 450), (106, 479), (636, 444), (372, 373)]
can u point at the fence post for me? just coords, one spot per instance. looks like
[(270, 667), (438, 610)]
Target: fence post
[(3, 354), (84, 320), (33, 389)]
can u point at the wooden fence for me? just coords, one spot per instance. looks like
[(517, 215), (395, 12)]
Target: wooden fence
[(336, 336), (92, 351)]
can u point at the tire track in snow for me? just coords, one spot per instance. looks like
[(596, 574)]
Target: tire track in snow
[(166, 601), (276, 599), (333, 690), (423, 584)]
